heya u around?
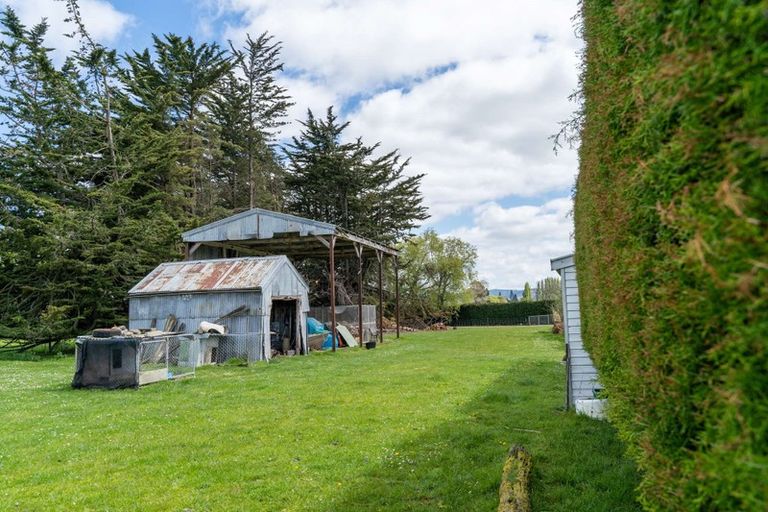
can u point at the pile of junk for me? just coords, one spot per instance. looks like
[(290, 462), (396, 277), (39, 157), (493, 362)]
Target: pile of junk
[(119, 357), (319, 336)]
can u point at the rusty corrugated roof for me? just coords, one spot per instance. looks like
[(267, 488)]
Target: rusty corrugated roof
[(209, 275)]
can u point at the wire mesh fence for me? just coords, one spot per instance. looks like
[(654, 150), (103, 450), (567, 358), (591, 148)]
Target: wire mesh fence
[(246, 347), (169, 357), (540, 320), (347, 316)]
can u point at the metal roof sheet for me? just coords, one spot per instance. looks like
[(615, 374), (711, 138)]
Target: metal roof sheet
[(210, 275), (268, 232), (256, 223), (562, 262)]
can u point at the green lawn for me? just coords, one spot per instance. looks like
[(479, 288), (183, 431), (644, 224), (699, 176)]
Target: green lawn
[(423, 423)]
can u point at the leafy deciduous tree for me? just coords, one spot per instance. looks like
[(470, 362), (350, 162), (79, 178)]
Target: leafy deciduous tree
[(436, 273)]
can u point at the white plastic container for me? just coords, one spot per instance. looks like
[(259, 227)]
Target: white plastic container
[(594, 408)]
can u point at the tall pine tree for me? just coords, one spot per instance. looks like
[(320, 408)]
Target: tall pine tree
[(267, 105), (250, 108), (346, 184), (175, 88)]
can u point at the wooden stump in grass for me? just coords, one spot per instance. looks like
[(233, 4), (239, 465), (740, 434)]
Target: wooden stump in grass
[(514, 492)]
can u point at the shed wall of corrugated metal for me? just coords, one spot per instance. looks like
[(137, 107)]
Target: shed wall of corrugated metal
[(245, 332), (193, 308)]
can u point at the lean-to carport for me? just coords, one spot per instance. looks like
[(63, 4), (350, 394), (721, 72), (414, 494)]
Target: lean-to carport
[(258, 232)]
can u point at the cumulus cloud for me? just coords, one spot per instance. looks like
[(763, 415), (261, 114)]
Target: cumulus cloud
[(480, 130), (515, 244), (355, 44), (470, 89), (305, 94), (104, 22)]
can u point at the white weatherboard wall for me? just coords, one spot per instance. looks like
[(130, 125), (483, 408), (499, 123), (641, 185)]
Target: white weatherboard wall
[(581, 373)]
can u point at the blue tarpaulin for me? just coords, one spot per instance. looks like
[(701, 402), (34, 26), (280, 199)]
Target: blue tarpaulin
[(327, 344), (314, 326)]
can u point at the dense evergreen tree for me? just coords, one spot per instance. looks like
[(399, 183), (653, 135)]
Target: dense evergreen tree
[(266, 106), (178, 84), (249, 108), (99, 83), (105, 159), (230, 171), (89, 182), (346, 184), (38, 112), (527, 295), (69, 246)]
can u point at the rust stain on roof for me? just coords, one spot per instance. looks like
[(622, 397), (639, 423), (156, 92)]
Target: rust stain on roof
[(209, 275), (209, 279)]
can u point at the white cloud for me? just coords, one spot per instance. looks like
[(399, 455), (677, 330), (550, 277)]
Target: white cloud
[(103, 21), (515, 244), (470, 89), (306, 95), (481, 130), (357, 44)]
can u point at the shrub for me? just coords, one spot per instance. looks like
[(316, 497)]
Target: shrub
[(672, 243)]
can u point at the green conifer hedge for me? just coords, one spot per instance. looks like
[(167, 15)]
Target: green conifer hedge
[(511, 313), (671, 221)]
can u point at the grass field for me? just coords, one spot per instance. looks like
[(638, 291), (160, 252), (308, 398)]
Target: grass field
[(423, 423)]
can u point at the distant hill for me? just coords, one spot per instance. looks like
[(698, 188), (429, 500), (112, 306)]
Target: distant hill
[(507, 293)]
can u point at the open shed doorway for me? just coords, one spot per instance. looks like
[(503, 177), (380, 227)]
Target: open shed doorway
[(285, 327)]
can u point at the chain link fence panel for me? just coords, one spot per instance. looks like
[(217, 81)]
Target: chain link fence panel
[(347, 316)]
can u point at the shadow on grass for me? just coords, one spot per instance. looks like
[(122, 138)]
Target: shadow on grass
[(579, 463)]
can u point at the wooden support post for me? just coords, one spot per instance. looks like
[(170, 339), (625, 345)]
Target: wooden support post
[(189, 250), (332, 289), (397, 298), (380, 257), (359, 252)]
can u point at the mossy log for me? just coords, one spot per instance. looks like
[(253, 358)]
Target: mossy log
[(514, 492)]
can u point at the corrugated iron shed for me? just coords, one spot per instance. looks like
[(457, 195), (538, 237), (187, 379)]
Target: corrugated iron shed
[(261, 232), (212, 290)]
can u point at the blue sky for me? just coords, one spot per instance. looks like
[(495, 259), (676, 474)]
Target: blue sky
[(469, 89)]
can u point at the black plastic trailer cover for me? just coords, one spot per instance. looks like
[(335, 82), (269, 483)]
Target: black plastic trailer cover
[(106, 363)]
